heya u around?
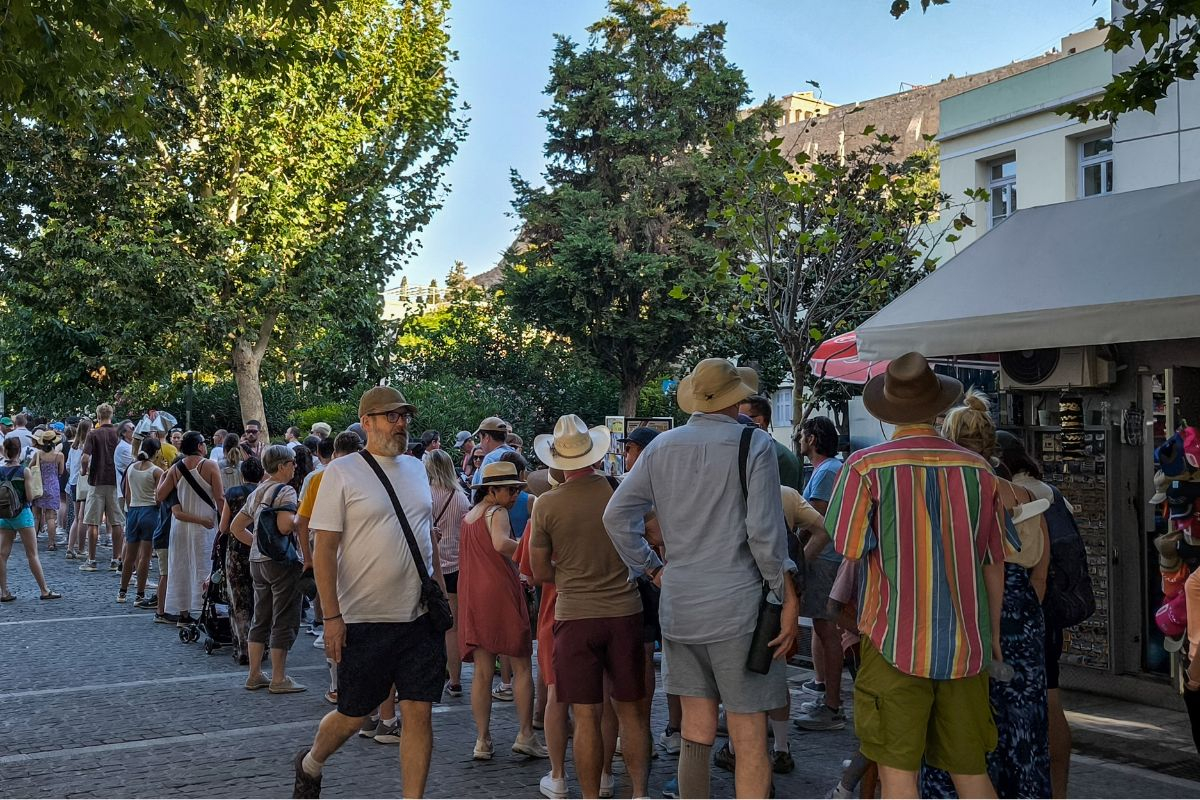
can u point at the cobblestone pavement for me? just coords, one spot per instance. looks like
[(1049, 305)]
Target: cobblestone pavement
[(97, 701)]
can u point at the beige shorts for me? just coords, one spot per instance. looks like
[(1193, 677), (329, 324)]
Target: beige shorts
[(102, 501)]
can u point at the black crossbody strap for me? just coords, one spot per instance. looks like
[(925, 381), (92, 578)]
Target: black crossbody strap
[(187, 476), (408, 534), (744, 457), (449, 500)]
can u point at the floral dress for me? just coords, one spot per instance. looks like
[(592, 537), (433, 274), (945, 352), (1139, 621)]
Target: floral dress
[(50, 488)]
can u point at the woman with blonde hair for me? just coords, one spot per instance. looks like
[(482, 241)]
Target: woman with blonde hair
[(232, 457), (450, 505), (1019, 766)]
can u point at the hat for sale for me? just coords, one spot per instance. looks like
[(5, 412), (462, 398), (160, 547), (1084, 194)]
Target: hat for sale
[(1161, 483), (493, 424), (639, 436), (1170, 456), (1181, 498), (1191, 447)]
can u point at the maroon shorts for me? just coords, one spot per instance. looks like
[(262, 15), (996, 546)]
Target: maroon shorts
[(587, 650)]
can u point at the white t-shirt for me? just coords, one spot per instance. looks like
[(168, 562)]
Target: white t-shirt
[(377, 580), (217, 454), (23, 434)]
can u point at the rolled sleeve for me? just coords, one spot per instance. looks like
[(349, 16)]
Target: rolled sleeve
[(625, 518), (766, 529), (848, 518), (994, 524)]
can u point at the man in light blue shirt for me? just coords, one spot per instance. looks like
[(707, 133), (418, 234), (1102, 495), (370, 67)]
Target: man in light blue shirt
[(722, 542), (493, 435)]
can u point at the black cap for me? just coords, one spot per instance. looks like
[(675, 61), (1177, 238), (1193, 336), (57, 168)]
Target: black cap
[(640, 436)]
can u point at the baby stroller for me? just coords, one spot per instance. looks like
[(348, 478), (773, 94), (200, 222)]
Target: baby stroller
[(214, 620)]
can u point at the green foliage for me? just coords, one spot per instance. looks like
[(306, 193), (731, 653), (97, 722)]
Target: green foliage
[(1167, 33), (256, 229), (622, 222), (93, 65), (816, 245), (339, 416)]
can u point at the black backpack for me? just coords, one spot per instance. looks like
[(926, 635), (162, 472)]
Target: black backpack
[(1069, 597), (11, 501)]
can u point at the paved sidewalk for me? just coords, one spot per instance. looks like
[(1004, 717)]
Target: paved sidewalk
[(97, 701)]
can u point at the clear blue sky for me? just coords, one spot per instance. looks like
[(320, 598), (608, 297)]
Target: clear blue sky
[(853, 48)]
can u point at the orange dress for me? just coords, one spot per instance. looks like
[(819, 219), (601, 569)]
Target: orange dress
[(491, 604), (545, 628)]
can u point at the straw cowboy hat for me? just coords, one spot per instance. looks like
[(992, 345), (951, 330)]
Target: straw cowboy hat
[(500, 473), (572, 445), (715, 384), (910, 392), (49, 436)]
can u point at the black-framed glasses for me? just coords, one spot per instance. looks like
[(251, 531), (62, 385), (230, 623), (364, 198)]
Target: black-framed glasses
[(394, 416)]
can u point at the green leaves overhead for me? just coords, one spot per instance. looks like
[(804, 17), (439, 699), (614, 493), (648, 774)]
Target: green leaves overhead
[(616, 249)]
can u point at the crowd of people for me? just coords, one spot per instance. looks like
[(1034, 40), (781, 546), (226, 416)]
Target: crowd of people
[(922, 562)]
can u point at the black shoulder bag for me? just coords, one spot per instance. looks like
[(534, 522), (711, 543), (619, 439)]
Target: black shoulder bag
[(432, 596), (271, 542)]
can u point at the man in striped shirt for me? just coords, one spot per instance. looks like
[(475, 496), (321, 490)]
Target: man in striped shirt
[(924, 516)]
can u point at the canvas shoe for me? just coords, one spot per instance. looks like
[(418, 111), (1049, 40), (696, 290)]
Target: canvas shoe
[(534, 749), (822, 718)]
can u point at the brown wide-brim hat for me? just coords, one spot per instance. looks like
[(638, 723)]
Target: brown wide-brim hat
[(715, 384), (910, 391)]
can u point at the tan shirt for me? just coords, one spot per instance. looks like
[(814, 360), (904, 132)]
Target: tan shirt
[(591, 579), (797, 511)]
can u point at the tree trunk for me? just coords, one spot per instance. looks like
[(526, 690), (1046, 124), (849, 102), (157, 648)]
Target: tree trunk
[(799, 411), (629, 398), (247, 359)]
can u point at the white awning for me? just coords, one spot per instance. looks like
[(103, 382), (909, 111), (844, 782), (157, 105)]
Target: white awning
[(1119, 268)]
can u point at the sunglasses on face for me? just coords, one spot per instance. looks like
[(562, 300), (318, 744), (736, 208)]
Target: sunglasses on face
[(252, 433)]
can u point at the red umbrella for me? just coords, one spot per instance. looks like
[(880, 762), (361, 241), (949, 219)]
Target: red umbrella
[(837, 359)]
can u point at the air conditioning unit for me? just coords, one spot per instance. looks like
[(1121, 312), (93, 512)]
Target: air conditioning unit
[(1055, 368)]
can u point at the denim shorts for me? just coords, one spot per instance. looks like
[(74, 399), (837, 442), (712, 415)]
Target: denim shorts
[(22, 520)]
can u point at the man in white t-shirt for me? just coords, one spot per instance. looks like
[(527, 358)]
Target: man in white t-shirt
[(376, 628), (21, 431), (291, 437)]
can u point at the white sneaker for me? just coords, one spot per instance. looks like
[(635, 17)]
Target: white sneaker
[(554, 788), (319, 642), (607, 785), (839, 792)]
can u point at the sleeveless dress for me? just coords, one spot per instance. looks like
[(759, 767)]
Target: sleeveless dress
[(189, 548), (491, 604), (50, 488)]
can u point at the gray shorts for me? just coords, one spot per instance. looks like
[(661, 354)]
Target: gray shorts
[(819, 576), (718, 671)]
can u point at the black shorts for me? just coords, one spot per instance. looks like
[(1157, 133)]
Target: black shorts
[(451, 579), (1054, 651), (378, 655), (651, 630)]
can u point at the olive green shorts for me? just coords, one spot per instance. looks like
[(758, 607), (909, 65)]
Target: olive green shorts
[(901, 718)]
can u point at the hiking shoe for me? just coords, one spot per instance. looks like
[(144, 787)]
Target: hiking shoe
[(782, 762), (88, 565), (671, 741), (483, 750), (671, 788), (454, 689), (367, 730), (811, 686), (822, 718), (166, 619), (306, 786), (388, 734), (286, 686), (503, 693), (552, 787), (725, 759), (534, 749)]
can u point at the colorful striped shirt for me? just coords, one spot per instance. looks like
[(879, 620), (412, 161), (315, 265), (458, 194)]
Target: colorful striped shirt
[(925, 515)]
